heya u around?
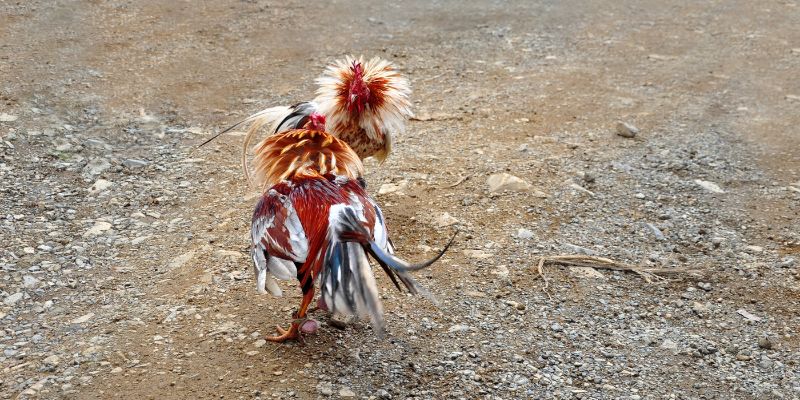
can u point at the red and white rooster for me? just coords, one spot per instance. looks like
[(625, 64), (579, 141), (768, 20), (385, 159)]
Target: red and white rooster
[(316, 223), (365, 103)]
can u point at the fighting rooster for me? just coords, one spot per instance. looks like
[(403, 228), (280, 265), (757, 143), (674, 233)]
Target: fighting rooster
[(365, 103), (315, 222)]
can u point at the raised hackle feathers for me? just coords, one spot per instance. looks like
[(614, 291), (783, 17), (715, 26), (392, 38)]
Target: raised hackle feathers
[(366, 104)]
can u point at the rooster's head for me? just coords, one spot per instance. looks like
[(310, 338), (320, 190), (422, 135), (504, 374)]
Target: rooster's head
[(358, 92)]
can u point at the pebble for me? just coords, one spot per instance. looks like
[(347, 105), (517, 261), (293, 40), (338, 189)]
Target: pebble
[(786, 262), (99, 186), (12, 299), (573, 249), (52, 360), (524, 234), (7, 117), (747, 315), (97, 166), (398, 187), (704, 285), (134, 164), (556, 327), (754, 249), (83, 318), (458, 328), (445, 220), (765, 343), (669, 345), (709, 186), (507, 182), (29, 281), (700, 309), (325, 388), (260, 343), (656, 232), (744, 355), (626, 130), (98, 228), (346, 392)]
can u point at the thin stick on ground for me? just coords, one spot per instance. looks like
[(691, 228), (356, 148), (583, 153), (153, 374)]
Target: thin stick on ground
[(458, 182), (540, 270), (579, 260)]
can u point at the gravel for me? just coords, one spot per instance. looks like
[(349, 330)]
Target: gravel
[(124, 265)]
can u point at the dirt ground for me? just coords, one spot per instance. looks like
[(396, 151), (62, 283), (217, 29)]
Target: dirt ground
[(124, 268)]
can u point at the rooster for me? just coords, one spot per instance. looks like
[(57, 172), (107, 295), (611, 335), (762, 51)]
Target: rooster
[(316, 223), (366, 104)]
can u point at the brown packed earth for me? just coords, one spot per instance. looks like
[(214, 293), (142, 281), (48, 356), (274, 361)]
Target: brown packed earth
[(658, 134)]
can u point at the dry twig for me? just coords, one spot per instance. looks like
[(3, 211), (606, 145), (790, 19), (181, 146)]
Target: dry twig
[(579, 260), (458, 182)]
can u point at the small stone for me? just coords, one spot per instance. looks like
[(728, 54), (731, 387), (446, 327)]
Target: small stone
[(765, 343), (656, 232), (260, 343), (524, 234), (717, 241), (700, 309), (116, 370), (383, 394), (709, 186), (786, 262), (571, 248), (10, 300), (458, 328), (98, 228), (747, 315), (479, 254), (754, 249), (792, 97), (29, 281), (669, 345), (52, 360), (325, 388), (99, 186), (501, 271), (398, 187), (340, 321), (277, 372), (346, 392), (96, 166), (507, 182), (445, 220), (556, 327), (626, 130), (744, 355), (704, 285), (7, 117), (134, 164), (83, 318)]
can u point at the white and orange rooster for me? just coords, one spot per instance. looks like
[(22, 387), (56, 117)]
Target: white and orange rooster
[(365, 103), (316, 223)]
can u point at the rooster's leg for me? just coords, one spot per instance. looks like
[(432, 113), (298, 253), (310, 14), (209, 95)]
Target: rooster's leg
[(300, 318)]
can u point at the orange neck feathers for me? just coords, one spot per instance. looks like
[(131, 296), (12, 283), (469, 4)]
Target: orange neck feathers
[(303, 152)]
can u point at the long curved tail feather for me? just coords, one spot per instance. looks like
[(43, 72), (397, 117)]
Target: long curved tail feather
[(348, 284)]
